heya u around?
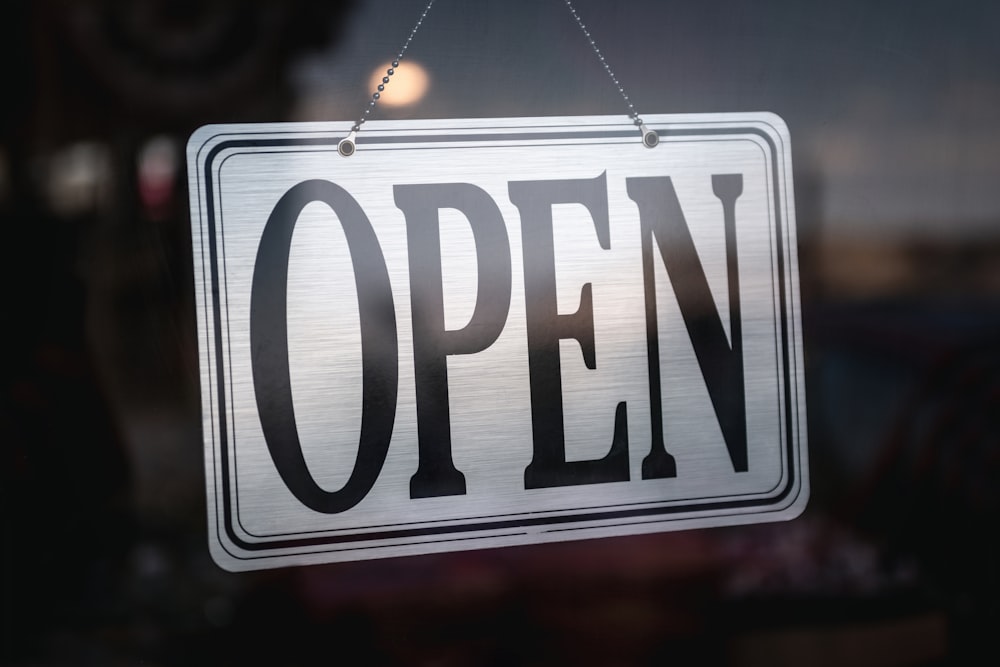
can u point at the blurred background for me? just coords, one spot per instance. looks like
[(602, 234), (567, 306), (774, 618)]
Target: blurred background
[(894, 112)]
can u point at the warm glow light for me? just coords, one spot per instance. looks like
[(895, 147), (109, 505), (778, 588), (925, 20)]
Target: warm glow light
[(407, 86)]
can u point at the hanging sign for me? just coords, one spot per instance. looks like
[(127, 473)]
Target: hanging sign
[(476, 333)]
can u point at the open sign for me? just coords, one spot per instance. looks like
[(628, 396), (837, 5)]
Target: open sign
[(487, 332)]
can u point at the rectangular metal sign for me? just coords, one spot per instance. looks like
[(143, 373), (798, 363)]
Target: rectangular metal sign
[(476, 333)]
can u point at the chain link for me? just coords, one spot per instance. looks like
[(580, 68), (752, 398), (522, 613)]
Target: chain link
[(649, 137), (347, 146), (392, 70)]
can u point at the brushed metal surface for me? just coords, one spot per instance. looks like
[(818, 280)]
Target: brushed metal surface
[(237, 174)]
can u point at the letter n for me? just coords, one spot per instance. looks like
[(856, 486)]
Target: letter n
[(721, 361)]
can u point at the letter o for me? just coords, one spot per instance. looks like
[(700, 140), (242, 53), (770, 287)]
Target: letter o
[(269, 346)]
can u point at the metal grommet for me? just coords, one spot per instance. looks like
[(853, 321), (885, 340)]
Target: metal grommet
[(346, 147), (649, 137)]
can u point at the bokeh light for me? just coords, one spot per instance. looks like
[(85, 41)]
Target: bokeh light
[(406, 86)]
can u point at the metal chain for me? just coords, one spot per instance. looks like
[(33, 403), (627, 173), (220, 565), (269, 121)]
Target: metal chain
[(347, 146), (649, 137)]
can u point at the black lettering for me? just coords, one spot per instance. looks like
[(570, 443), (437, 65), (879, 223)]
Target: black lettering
[(546, 327), (721, 365), (269, 346), (436, 473)]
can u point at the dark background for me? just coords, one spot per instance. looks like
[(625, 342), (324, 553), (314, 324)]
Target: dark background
[(894, 112)]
